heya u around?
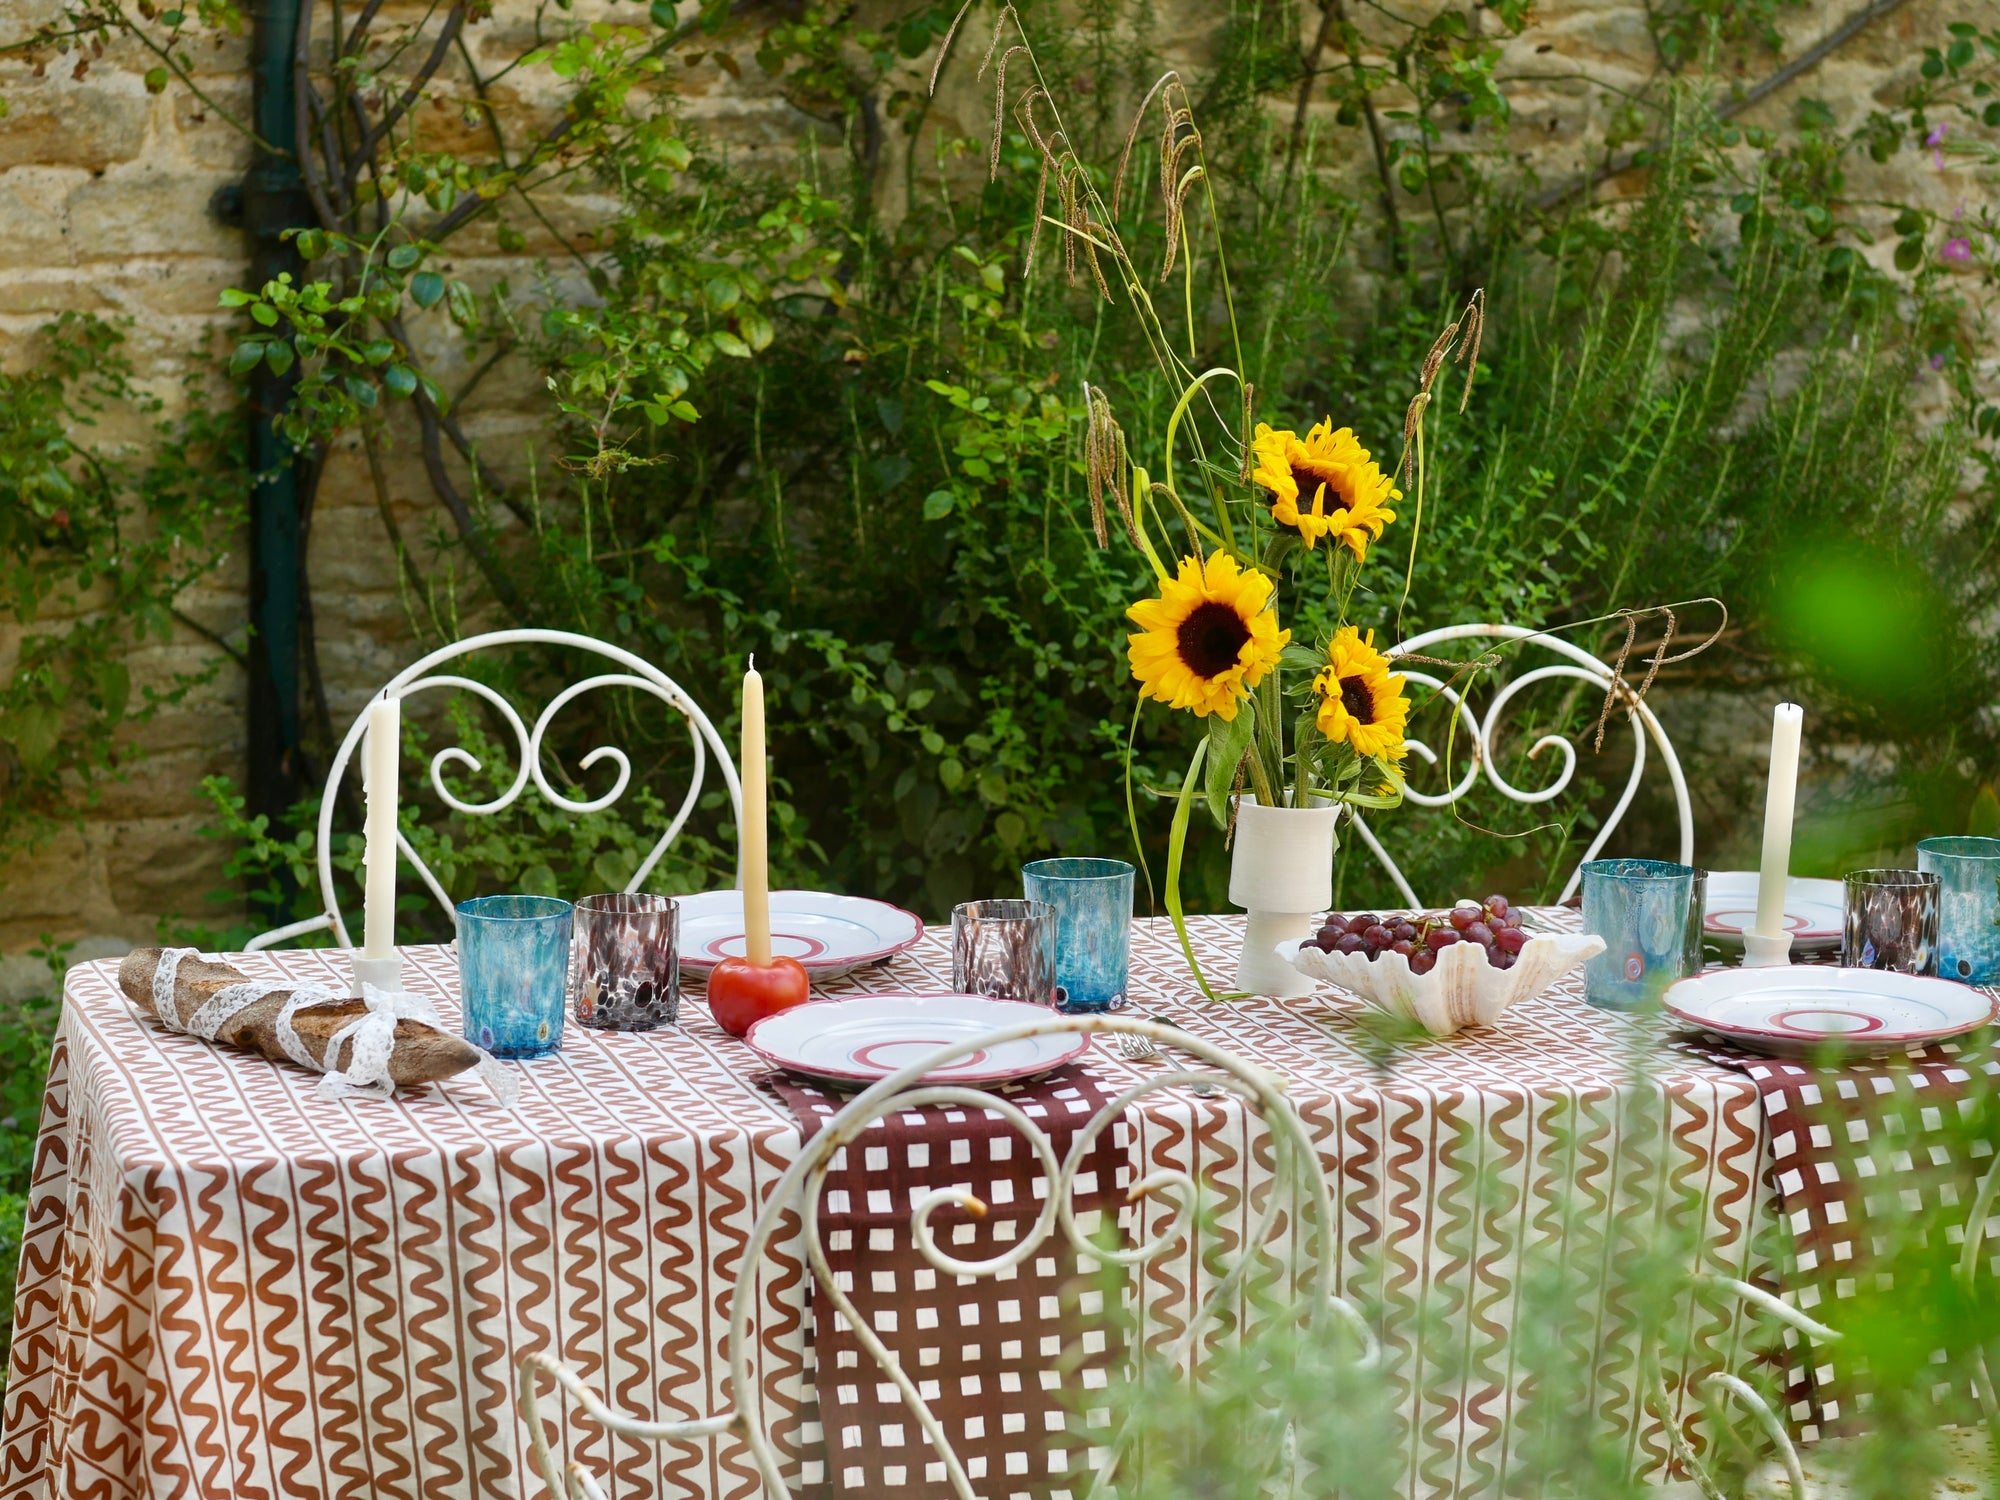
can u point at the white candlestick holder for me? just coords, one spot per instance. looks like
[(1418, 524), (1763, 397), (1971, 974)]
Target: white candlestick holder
[(1762, 952), (385, 974)]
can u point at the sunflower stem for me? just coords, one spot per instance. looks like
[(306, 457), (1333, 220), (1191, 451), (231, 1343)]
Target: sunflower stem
[(1260, 779), (1132, 807)]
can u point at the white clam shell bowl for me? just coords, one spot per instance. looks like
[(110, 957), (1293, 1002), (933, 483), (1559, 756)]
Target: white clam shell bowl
[(1462, 990)]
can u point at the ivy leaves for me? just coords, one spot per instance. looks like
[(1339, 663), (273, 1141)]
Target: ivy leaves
[(348, 364), (96, 548)]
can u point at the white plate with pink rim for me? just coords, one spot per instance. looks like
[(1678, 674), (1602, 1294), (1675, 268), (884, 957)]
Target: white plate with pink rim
[(858, 1041), (1795, 1010), (831, 935), (1814, 910)]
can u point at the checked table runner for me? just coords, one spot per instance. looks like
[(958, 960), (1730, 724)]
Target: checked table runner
[(987, 1352), (231, 1288)]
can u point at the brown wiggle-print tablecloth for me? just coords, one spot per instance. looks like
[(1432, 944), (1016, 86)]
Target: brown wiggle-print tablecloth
[(230, 1287)]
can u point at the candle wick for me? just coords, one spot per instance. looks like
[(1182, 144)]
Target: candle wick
[(753, 661)]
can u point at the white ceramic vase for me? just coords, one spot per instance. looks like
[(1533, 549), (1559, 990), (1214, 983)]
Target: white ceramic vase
[(1281, 874)]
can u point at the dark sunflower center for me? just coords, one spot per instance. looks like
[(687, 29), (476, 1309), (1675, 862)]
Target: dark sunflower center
[(1357, 700), (1309, 484), (1210, 638)]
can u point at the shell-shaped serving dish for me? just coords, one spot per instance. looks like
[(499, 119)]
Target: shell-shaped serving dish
[(1462, 990)]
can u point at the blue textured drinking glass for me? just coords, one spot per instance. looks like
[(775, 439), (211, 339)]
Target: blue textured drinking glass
[(1093, 902), (513, 972), (1640, 908), (1968, 872)]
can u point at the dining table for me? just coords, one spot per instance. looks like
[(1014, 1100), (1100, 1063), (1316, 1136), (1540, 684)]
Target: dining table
[(231, 1286)]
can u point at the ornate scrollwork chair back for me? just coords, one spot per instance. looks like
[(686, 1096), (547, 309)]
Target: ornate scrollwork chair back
[(633, 673), (1476, 737), (1298, 1205)]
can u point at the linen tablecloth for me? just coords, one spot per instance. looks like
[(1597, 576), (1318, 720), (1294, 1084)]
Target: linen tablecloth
[(232, 1288)]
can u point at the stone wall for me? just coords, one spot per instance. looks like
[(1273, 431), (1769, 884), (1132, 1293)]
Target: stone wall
[(104, 205)]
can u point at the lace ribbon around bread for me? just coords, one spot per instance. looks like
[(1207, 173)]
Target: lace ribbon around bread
[(370, 1046)]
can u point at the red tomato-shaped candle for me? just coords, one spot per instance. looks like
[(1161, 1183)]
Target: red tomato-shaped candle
[(741, 993)]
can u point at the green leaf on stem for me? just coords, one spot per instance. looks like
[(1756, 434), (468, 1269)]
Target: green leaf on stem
[(1176, 847), (1228, 743)]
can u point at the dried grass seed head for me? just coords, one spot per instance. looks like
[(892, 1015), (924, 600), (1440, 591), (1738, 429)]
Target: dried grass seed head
[(944, 47), (1165, 81)]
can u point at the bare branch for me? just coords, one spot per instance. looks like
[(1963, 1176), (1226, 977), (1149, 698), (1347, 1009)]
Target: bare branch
[(410, 95)]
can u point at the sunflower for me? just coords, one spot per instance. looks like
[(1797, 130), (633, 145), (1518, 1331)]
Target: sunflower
[(1361, 701), (1207, 639), (1324, 486)]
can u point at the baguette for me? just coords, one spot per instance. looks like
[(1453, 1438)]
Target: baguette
[(422, 1053)]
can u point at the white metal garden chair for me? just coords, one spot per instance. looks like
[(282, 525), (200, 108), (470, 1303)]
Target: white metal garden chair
[(1297, 1205), (1477, 736), (636, 674)]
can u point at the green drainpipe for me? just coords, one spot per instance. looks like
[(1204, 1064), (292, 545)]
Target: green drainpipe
[(274, 200)]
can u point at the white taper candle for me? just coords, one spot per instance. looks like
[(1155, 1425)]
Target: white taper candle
[(754, 840), (1779, 798), (378, 780)]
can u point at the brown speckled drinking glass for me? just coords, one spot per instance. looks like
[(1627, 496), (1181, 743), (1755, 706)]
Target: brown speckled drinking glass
[(1004, 949), (625, 962)]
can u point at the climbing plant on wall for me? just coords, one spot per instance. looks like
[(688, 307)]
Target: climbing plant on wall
[(97, 543)]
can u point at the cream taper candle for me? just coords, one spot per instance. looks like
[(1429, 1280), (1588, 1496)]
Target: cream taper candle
[(378, 781), (755, 867), (1778, 803)]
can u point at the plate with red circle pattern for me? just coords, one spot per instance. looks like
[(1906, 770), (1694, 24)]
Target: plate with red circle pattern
[(831, 935), (1813, 910), (868, 1037), (1795, 1010)]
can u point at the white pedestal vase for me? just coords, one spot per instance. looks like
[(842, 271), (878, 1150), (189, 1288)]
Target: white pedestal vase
[(1281, 874)]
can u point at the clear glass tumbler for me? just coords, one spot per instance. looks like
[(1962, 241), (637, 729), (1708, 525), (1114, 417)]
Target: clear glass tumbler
[(1640, 908), (1890, 921), (1694, 954), (1968, 872), (513, 972), (1093, 904), (625, 962), (1005, 949)]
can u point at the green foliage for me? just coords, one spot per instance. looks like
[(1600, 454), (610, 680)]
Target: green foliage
[(27, 1032), (96, 544), (835, 419), (888, 503)]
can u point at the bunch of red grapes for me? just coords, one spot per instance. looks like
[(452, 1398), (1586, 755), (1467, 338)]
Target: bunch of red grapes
[(1491, 924)]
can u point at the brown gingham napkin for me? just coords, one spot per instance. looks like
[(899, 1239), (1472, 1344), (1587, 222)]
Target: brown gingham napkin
[(1858, 1152), (1008, 1361)]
